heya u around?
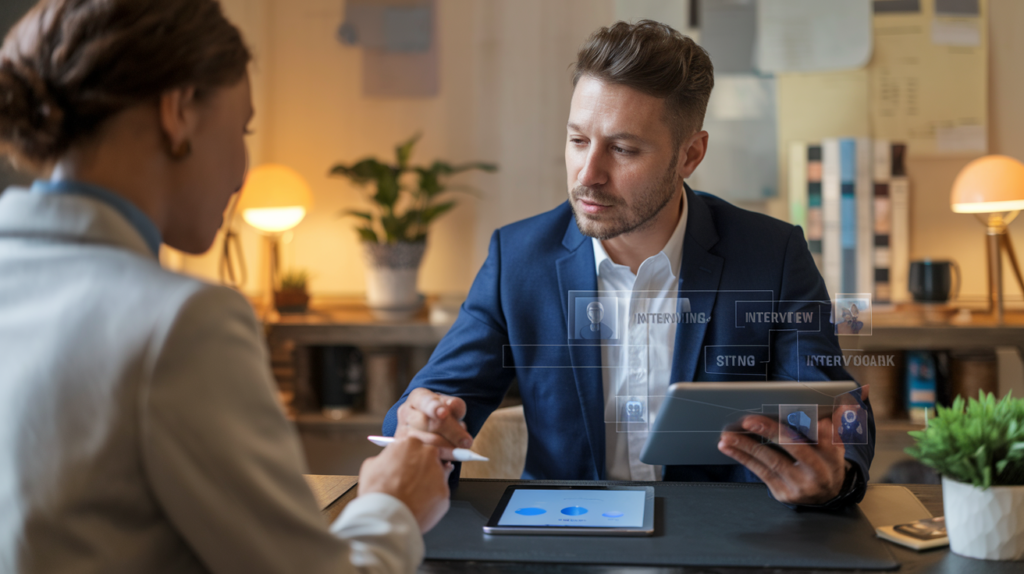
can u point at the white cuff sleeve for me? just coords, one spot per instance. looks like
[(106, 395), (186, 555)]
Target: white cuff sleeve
[(383, 534)]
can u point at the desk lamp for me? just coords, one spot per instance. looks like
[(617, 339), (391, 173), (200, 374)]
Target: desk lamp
[(274, 199), (992, 188)]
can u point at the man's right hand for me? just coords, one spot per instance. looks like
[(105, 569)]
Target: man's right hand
[(413, 473), (435, 419)]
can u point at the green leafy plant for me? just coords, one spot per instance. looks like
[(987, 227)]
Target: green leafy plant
[(294, 280), (422, 205), (982, 444)]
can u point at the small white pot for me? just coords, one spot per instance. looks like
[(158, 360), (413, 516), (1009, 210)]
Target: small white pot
[(986, 524), (391, 275)]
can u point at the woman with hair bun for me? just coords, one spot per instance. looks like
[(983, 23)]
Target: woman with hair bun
[(139, 427)]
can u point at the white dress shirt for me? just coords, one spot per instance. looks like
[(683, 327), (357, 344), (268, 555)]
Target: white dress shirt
[(637, 368), (139, 425)]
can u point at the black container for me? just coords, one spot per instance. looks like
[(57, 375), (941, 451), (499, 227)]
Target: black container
[(933, 281)]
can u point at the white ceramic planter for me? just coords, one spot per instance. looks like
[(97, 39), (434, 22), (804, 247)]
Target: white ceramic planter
[(986, 524), (391, 275)]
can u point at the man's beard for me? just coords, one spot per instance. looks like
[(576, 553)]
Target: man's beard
[(637, 217)]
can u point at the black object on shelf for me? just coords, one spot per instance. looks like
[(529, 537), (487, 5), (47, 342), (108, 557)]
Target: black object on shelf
[(339, 379)]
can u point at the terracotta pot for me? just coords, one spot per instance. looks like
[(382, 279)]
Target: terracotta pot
[(291, 301)]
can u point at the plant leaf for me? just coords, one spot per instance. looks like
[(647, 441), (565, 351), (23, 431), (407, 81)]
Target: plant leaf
[(359, 214), (367, 234), (387, 188), (362, 172), (432, 212), (404, 151)]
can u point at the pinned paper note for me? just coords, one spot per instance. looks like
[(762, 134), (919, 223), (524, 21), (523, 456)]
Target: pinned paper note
[(813, 35), (929, 78), (741, 163)]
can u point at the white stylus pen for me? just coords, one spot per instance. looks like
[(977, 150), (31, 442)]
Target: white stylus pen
[(459, 454)]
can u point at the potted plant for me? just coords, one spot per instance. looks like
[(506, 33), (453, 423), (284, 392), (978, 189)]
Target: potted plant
[(292, 296), (407, 199), (979, 450)]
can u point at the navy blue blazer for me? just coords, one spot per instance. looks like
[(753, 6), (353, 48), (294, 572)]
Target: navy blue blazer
[(513, 325)]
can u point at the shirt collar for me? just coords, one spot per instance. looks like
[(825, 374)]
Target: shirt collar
[(673, 250), (135, 216)]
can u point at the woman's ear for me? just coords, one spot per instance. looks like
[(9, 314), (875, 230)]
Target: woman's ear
[(691, 153), (178, 120)]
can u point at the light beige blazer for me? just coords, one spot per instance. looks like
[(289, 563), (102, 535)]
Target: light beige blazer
[(139, 428)]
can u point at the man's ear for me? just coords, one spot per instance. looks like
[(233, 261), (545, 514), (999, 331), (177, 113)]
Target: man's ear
[(691, 153), (178, 116)]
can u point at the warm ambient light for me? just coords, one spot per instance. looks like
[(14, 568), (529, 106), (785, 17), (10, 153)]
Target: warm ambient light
[(274, 219), (275, 198), (990, 184), (992, 188)]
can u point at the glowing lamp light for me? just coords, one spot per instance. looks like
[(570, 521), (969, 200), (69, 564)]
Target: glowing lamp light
[(274, 219), (993, 185), (274, 198)]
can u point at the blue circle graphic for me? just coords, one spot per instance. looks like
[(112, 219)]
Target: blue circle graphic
[(529, 511), (613, 514), (574, 510)]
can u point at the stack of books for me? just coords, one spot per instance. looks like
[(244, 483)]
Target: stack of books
[(852, 197)]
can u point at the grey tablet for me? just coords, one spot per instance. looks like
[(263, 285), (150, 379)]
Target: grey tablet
[(692, 417), (576, 510)]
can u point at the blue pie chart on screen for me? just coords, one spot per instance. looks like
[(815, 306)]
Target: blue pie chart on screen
[(574, 510), (613, 514), (530, 511)]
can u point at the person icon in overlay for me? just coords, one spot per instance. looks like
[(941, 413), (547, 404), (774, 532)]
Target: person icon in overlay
[(595, 328)]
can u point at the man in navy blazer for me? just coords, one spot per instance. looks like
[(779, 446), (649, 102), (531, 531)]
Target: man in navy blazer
[(633, 136)]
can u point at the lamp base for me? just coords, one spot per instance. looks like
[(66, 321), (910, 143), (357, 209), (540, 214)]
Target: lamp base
[(998, 241)]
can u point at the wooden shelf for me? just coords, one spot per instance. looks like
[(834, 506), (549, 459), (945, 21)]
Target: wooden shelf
[(319, 420), (896, 425)]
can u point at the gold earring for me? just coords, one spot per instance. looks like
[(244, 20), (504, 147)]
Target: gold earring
[(182, 151)]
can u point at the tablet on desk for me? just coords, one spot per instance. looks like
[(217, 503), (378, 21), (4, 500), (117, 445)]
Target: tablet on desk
[(575, 510), (693, 416)]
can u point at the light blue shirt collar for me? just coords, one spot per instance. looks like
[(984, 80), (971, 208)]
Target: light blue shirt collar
[(139, 220)]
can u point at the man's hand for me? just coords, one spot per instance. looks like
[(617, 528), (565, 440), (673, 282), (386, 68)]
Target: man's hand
[(413, 473), (815, 477), (434, 419)]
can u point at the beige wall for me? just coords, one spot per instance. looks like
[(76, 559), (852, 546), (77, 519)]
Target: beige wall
[(937, 231), (504, 97)]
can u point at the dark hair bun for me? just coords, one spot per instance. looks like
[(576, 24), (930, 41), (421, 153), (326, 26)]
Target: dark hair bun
[(69, 65), (31, 120)]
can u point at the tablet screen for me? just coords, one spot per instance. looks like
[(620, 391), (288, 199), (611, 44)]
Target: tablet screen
[(575, 508)]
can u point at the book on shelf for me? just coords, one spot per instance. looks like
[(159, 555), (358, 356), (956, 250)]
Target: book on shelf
[(864, 192), (857, 199), (882, 223), (798, 184), (814, 221), (899, 196), (831, 198), (848, 215)]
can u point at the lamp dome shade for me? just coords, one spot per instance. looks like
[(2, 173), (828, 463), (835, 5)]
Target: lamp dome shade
[(274, 198), (991, 184)]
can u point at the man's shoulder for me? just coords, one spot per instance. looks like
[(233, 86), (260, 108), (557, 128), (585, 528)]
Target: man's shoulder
[(554, 221), (731, 217), (749, 231), (538, 232)]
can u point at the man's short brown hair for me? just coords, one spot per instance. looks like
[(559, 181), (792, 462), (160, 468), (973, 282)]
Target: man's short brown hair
[(655, 59)]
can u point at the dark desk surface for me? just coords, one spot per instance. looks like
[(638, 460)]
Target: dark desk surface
[(334, 492)]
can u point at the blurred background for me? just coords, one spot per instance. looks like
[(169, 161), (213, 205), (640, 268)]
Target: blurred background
[(336, 81)]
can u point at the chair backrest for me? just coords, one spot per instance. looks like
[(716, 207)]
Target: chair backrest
[(503, 440)]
